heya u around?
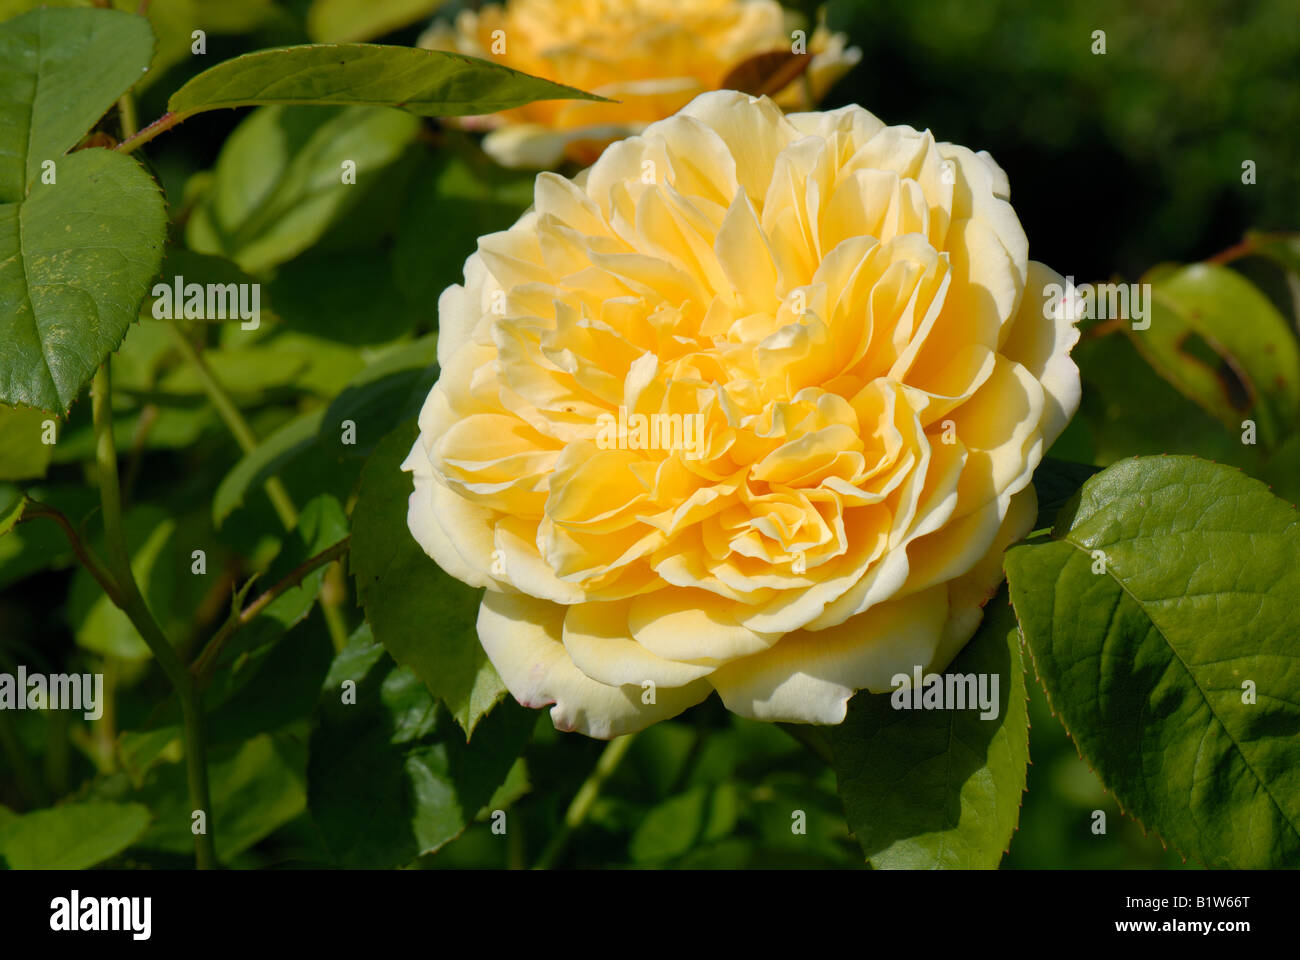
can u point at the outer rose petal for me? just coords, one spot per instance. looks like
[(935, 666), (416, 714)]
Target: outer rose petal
[(809, 677), (1042, 346), (523, 637)]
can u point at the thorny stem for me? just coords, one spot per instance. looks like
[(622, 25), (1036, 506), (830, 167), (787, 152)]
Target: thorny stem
[(585, 797), (206, 661), (129, 599), (140, 138)]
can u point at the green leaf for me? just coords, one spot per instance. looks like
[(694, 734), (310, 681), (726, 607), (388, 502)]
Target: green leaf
[(925, 788), (24, 454), (391, 777), (381, 394), (265, 461), (672, 827), (388, 391), (279, 181), (72, 836), (1146, 657), (76, 254), (12, 501), (256, 787), (1129, 410), (284, 360), (60, 70), (426, 619), (321, 524), (349, 297), (424, 82), (333, 21), (1222, 344), (76, 257)]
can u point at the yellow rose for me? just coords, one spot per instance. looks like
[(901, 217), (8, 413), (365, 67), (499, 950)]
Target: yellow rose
[(654, 56), (847, 313)]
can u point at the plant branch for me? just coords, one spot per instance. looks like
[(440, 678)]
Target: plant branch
[(132, 603), (141, 137), (583, 799), (203, 665), (34, 509)]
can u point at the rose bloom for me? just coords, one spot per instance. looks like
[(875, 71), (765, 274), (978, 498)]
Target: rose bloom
[(653, 56), (849, 309)]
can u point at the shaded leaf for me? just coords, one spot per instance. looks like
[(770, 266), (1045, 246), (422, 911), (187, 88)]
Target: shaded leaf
[(391, 777), (925, 788), (426, 619)]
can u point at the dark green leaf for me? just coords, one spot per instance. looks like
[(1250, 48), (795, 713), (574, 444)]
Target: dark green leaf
[(1161, 616), (72, 836), (391, 777)]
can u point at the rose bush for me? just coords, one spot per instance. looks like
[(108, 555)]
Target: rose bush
[(850, 309), (652, 56)]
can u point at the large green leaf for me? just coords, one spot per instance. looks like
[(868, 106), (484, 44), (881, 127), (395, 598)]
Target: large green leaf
[(72, 836), (425, 82), (926, 788), (426, 619), (76, 254), (279, 181), (60, 70), (391, 776), (1156, 606), (76, 258), (1223, 344)]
